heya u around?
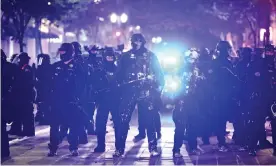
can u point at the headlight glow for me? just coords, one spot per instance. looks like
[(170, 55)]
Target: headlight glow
[(172, 84)]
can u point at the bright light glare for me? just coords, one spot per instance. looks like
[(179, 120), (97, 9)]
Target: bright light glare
[(153, 40), (158, 39), (97, 1), (118, 34), (138, 28), (130, 29), (172, 84), (101, 19), (170, 57), (49, 3), (113, 18), (124, 18), (170, 60)]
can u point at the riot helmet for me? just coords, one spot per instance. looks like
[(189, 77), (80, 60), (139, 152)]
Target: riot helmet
[(137, 41), (223, 49), (246, 54), (109, 58), (66, 51), (23, 58)]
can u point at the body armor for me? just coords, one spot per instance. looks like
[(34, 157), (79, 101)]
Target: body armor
[(65, 85), (139, 71)]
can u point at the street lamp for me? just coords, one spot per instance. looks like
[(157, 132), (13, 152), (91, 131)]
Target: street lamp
[(156, 40), (113, 18), (124, 18), (97, 1), (153, 40)]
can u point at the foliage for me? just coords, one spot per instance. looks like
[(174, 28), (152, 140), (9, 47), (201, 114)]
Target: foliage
[(16, 14)]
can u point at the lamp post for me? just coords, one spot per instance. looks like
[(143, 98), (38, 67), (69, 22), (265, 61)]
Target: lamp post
[(114, 18), (118, 19)]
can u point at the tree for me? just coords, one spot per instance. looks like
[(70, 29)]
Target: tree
[(15, 13), (53, 10), (85, 17), (188, 18), (248, 13)]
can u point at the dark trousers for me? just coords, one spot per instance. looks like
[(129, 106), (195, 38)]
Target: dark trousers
[(187, 122), (126, 108), (206, 113), (105, 105), (221, 116), (23, 123), (142, 112), (65, 116), (5, 147), (179, 131), (240, 130), (255, 127)]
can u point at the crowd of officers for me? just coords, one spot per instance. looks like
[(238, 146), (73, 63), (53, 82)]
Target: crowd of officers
[(68, 92), (223, 88)]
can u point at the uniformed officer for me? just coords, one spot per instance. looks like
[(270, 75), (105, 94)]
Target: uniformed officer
[(24, 94), (66, 108), (140, 70)]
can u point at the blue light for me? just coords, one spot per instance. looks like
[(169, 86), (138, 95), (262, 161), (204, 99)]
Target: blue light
[(172, 84)]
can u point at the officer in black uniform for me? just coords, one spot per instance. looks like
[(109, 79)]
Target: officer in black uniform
[(43, 77), (186, 112), (78, 58), (259, 89), (140, 73), (225, 81), (94, 64), (205, 96), (107, 96), (24, 94), (7, 77), (66, 91), (243, 66)]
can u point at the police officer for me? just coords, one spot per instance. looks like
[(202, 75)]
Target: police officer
[(140, 72), (78, 58), (66, 91), (186, 112), (107, 98), (225, 80), (205, 96), (43, 77), (259, 89), (94, 64), (243, 67), (24, 94), (6, 86)]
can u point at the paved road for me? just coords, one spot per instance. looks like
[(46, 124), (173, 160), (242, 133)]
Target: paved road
[(33, 151)]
